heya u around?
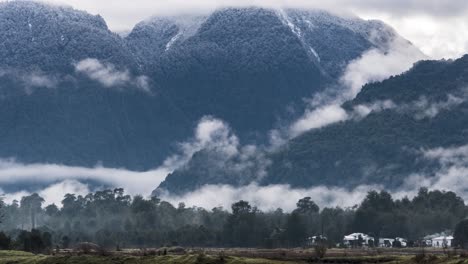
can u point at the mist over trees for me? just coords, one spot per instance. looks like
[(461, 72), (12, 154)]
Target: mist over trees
[(114, 220)]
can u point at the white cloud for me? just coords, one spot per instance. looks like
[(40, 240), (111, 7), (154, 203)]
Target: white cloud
[(38, 79), (372, 66), (270, 197), (31, 80), (53, 194), (424, 108), (30, 174), (439, 30), (363, 110), (105, 74), (450, 177), (109, 76), (317, 118), (437, 36), (210, 133), (377, 65)]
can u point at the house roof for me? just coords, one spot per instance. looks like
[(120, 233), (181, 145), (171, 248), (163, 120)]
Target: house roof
[(443, 238), (355, 236)]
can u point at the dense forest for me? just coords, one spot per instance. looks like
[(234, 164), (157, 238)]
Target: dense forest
[(114, 220)]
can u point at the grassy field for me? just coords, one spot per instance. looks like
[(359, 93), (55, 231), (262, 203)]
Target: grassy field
[(17, 257), (232, 257)]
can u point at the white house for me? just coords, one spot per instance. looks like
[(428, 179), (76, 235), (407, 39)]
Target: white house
[(386, 242), (315, 240), (442, 241), (353, 239), (403, 241)]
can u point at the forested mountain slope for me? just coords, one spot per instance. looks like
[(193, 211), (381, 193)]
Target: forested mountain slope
[(75, 93), (390, 128)]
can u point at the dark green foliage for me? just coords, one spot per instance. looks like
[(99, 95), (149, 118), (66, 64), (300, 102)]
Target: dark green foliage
[(51, 38), (306, 206), (65, 242), (5, 241), (381, 216), (114, 220), (245, 226), (34, 241), (295, 230), (461, 234), (320, 250)]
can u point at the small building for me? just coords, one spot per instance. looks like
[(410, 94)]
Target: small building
[(393, 242), (401, 241), (442, 241), (386, 242), (358, 239), (315, 240)]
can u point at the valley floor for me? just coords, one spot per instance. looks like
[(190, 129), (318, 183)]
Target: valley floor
[(234, 256)]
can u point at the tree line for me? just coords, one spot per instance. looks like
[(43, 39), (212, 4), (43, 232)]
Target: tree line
[(114, 220)]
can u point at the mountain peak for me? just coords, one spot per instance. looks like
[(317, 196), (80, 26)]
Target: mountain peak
[(50, 38)]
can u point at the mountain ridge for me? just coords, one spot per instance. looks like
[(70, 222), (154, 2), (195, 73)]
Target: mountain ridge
[(246, 66), (425, 109)]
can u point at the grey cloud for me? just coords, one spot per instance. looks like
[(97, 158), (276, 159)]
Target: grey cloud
[(270, 197), (210, 133), (450, 177), (424, 108), (54, 193), (31, 80), (325, 109), (364, 110), (38, 79), (144, 8), (317, 118), (15, 172), (109, 76), (438, 28), (452, 174)]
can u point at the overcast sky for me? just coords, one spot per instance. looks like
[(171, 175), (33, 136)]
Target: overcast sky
[(438, 28)]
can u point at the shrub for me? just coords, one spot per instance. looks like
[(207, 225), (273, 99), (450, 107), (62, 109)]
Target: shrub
[(201, 258), (320, 250), (5, 241), (420, 257)]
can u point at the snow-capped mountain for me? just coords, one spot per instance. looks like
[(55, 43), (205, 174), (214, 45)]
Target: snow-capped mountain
[(74, 92), (252, 62), (51, 38)]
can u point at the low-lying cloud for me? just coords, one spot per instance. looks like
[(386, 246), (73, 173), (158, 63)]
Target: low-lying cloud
[(451, 176), (372, 66), (425, 108), (54, 193), (31, 80), (109, 76), (270, 197), (377, 65), (317, 118), (38, 79), (30, 174), (210, 133)]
